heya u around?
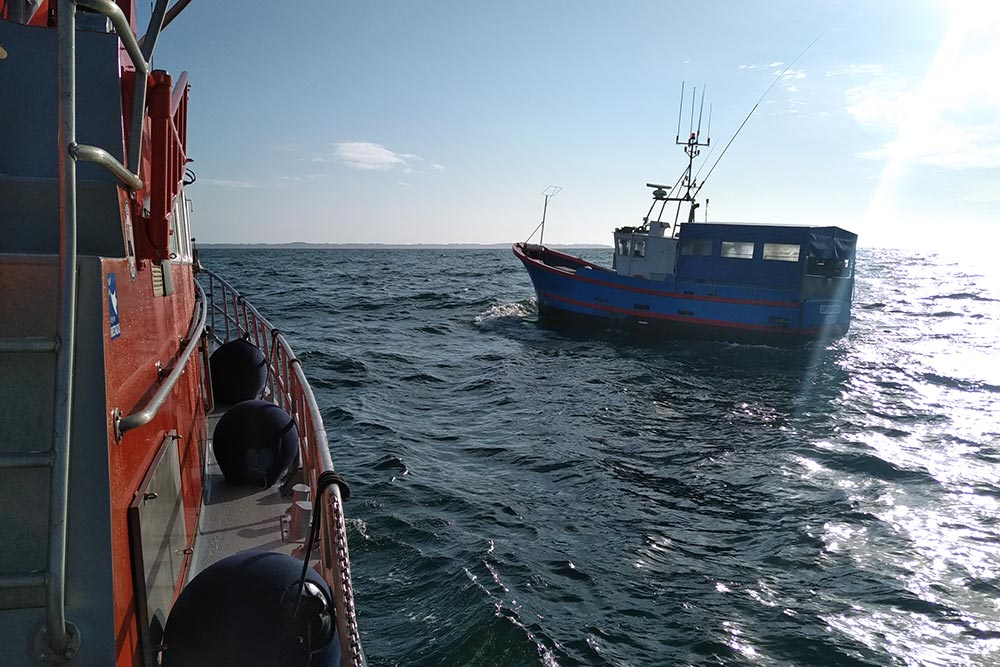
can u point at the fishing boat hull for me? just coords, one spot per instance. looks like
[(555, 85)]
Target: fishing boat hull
[(574, 294)]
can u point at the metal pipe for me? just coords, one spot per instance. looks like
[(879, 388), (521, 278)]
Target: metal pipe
[(225, 311), (146, 415), (122, 28), (148, 42), (178, 94), (319, 446), (211, 300), (62, 407), (206, 362), (174, 11), (108, 161), (142, 84), (169, 18)]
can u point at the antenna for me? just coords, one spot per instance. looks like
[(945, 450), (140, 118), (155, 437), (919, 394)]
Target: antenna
[(709, 123), (701, 109), (680, 109), (694, 96), (740, 128), (548, 193), (692, 148)]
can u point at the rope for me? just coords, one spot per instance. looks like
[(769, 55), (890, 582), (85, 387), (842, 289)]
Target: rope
[(326, 479)]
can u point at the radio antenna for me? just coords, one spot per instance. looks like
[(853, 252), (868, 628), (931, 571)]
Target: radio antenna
[(680, 110), (740, 128), (694, 98), (701, 110)]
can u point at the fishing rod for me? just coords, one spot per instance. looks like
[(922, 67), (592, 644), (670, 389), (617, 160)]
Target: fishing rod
[(740, 128)]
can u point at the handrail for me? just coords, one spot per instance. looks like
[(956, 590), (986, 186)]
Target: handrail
[(61, 636), (108, 161), (59, 633), (141, 56), (148, 413), (178, 95), (122, 28), (291, 390)]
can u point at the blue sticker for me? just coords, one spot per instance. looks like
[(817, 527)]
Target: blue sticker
[(115, 325)]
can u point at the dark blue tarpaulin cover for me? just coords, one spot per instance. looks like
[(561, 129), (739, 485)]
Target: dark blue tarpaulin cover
[(820, 243), (831, 243)]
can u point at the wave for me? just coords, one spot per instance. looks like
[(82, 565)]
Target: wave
[(505, 315)]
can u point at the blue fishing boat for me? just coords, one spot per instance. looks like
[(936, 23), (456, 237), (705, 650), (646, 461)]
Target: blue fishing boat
[(772, 284)]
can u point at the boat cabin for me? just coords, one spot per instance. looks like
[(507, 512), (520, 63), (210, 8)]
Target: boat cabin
[(648, 254), (774, 262), (738, 260)]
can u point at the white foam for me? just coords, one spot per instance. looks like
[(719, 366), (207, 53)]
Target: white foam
[(505, 314)]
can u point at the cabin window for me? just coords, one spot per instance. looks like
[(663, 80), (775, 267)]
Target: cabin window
[(638, 248), (697, 247), (829, 268), (782, 252), (624, 246), (737, 249)]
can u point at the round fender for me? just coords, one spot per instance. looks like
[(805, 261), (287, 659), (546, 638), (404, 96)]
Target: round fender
[(239, 372), (247, 610), (254, 442)]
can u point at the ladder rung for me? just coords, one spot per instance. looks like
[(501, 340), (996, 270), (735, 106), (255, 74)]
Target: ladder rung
[(28, 344), (26, 460), (25, 580)]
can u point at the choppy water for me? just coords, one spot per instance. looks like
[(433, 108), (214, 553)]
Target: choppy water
[(524, 498)]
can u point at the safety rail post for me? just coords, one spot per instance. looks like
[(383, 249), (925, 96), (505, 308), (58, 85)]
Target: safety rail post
[(246, 319), (225, 311), (211, 301)]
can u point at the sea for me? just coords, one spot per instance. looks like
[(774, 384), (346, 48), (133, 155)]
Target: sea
[(524, 496)]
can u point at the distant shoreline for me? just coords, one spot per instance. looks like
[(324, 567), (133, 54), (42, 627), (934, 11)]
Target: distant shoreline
[(383, 246)]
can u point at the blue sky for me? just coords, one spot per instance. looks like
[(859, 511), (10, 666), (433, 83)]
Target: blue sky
[(439, 122)]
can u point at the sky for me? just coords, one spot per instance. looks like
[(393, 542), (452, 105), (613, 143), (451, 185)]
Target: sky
[(442, 122)]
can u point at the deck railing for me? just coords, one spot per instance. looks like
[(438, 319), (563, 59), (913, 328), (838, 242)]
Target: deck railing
[(231, 316)]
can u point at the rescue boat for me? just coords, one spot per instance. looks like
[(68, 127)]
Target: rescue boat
[(167, 493)]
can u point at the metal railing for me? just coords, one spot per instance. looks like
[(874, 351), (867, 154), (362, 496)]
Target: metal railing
[(191, 341), (290, 389)]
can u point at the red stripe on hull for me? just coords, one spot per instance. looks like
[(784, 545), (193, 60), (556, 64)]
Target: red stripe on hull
[(645, 314)]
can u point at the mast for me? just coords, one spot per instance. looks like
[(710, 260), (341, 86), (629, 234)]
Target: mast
[(687, 185)]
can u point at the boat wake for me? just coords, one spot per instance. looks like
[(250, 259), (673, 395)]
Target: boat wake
[(501, 316)]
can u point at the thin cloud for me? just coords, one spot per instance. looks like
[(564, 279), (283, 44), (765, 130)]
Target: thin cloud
[(791, 74), (866, 69), (223, 183), (368, 156)]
